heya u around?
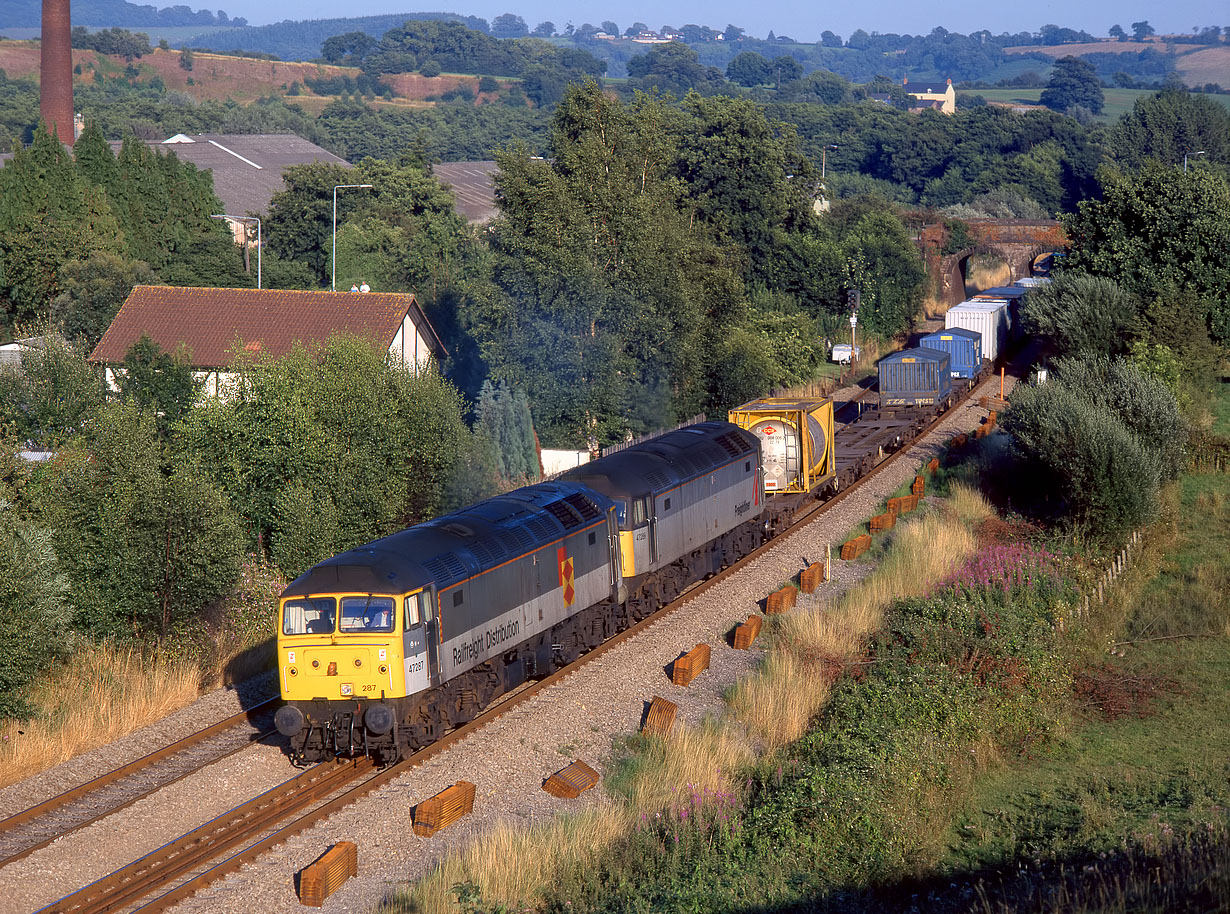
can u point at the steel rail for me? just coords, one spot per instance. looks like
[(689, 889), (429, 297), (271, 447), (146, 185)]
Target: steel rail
[(30, 816), (224, 833)]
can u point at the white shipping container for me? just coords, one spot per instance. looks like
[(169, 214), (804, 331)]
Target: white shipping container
[(987, 318), (1031, 282)]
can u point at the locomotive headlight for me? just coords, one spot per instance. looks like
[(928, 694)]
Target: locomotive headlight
[(316, 664), (358, 661), (347, 689), (383, 669), (293, 671)]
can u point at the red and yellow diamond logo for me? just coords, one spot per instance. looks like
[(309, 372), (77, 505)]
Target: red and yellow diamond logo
[(565, 576)]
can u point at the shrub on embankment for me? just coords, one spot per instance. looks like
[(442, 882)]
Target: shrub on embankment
[(1095, 444)]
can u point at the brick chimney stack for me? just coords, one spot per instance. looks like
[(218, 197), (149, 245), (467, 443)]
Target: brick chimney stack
[(56, 70)]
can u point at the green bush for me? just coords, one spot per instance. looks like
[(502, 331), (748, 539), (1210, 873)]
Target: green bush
[(1081, 464), (144, 544), (375, 447), (34, 608), (1079, 314)]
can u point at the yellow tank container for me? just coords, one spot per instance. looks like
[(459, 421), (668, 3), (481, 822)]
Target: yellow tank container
[(796, 441)]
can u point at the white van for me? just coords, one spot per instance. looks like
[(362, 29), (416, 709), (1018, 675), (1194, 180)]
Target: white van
[(842, 353)]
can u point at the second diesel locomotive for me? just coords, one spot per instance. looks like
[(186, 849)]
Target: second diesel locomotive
[(384, 647)]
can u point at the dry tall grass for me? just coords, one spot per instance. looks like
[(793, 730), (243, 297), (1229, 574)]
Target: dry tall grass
[(102, 693), (511, 865), (778, 701)]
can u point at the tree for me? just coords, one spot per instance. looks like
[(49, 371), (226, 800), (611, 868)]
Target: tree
[(35, 608), (1168, 125), (93, 289), (48, 216), (610, 27), (157, 381), (830, 39), (146, 545), (1116, 32), (544, 29), (48, 399), (1095, 441), (374, 446), (509, 25), (1159, 230), (733, 33), (749, 69), (1079, 314), (1142, 30), (1074, 83), (350, 46)]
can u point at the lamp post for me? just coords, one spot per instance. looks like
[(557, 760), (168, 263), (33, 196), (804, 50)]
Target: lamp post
[(1193, 155), (245, 238), (336, 188), (824, 151)]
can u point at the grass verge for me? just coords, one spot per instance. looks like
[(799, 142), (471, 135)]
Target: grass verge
[(101, 694)]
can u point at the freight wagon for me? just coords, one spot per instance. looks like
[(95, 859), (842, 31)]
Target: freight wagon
[(964, 348), (915, 377)]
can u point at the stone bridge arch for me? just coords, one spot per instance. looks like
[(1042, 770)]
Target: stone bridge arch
[(1019, 243)]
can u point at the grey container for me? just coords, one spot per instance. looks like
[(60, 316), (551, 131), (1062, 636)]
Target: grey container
[(914, 377), (987, 318)]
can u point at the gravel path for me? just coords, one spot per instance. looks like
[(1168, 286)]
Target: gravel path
[(507, 760)]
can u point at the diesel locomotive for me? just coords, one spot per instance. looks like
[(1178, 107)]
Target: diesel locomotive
[(383, 648)]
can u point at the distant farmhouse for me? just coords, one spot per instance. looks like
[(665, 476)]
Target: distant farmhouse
[(937, 97), (215, 325)]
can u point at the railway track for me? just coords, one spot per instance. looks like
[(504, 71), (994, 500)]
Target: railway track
[(34, 828), (184, 866)]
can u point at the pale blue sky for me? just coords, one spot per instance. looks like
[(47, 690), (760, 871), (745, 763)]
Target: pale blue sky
[(801, 21)]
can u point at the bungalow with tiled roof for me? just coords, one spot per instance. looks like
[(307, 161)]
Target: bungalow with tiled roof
[(216, 325)]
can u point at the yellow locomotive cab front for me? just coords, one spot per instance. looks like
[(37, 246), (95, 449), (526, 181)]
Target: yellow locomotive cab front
[(324, 654)]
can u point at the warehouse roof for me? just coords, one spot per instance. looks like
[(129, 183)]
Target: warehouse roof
[(473, 188), (247, 167), (216, 324)]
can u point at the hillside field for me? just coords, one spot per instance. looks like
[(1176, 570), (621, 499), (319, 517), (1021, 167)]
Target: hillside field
[(1118, 101), (218, 77), (1198, 64)]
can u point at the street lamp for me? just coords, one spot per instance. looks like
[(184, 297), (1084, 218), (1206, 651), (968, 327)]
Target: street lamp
[(245, 239), (336, 188), (824, 151), (1193, 155)]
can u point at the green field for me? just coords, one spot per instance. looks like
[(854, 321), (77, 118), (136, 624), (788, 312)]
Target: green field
[(1118, 101)]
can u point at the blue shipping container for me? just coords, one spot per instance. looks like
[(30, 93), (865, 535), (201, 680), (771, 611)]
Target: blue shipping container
[(914, 377), (964, 348)]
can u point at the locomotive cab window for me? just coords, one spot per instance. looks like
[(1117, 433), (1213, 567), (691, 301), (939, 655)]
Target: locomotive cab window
[(418, 608), (366, 614), (666, 505), (311, 616), (640, 512)]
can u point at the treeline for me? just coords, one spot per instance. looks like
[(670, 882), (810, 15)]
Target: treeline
[(301, 40), (120, 42), (669, 261), (77, 232), (99, 13)]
